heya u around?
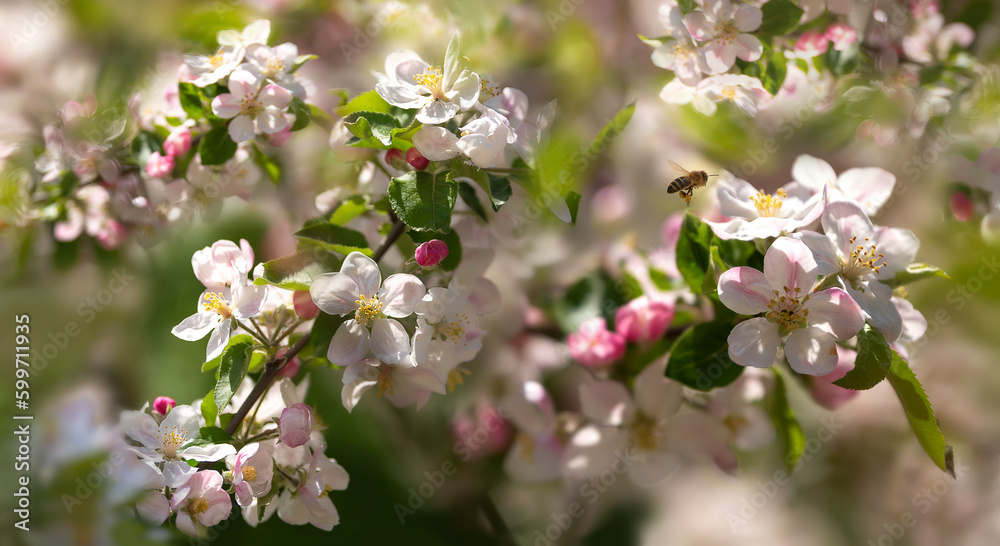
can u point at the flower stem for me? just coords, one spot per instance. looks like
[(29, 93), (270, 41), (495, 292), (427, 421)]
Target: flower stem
[(398, 227)]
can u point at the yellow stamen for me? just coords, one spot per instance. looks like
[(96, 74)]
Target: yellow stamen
[(431, 79), (768, 205), (214, 302), (734, 422), (368, 309), (249, 473), (862, 260), (487, 91), (788, 311), (197, 506), (172, 441), (384, 381), (217, 60), (455, 378), (646, 433)]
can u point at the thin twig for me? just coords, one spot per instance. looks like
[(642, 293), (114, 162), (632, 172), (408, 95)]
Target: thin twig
[(398, 227), (497, 523)]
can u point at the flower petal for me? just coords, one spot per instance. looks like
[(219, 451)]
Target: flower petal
[(843, 221), (745, 290), (607, 402), (364, 271), (218, 340), (271, 121), (437, 111), (813, 173), (870, 187), (876, 301), (655, 395), (196, 326), (335, 293), (811, 351), (241, 128), (390, 342), (823, 251), (898, 247), (275, 96), (754, 343), (592, 449), (836, 312), (748, 18), (349, 344), (400, 295), (226, 105), (436, 143), (789, 266)]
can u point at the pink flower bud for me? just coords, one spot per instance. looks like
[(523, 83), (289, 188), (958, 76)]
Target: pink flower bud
[(961, 206), (822, 389), (482, 434), (431, 253), (163, 404), (416, 159), (178, 142), (842, 35), (395, 158), (295, 425), (594, 345), (812, 43), (112, 235), (159, 166), (643, 319), (304, 306)]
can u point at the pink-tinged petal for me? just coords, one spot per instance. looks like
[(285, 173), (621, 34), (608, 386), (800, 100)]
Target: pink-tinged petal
[(822, 389), (196, 326), (275, 96), (835, 311), (390, 342), (437, 111), (364, 271), (811, 351), (244, 494), (876, 301), (699, 26), (663, 56), (295, 425), (247, 300), (592, 450), (754, 343), (749, 47), (402, 65), (914, 323), (349, 344), (243, 84), (899, 248), (400, 295), (436, 143), (655, 395), (226, 106), (352, 392), (734, 197), (335, 293), (745, 290), (153, 507), (530, 409), (719, 56), (241, 128), (789, 266), (813, 173), (718, 10), (272, 121), (823, 251), (286, 52), (746, 100), (870, 187), (676, 92), (534, 459), (607, 402), (843, 221), (748, 18)]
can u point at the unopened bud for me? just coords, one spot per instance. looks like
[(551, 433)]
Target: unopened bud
[(431, 253)]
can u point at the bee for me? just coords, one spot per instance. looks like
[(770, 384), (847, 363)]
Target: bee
[(687, 182)]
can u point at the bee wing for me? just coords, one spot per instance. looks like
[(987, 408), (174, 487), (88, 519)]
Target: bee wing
[(681, 171)]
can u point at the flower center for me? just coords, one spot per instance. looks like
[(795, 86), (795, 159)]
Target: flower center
[(197, 506), (215, 302), (682, 52), (251, 106), (172, 441), (249, 473), (768, 205), (452, 330), (217, 60), (431, 79), (274, 67), (486, 91), (527, 443), (788, 311), (726, 31), (646, 432), (384, 381), (863, 259), (734, 422), (368, 309)]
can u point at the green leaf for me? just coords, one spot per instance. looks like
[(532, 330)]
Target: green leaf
[(209, 436), (257, 360), (320, 117), (373, 129), (215, 362), (693, 252), (235, 361), (190, 99), (468, 194), (916, 272), (500, 191), (843, 62), (208, 409), (451, 239), (349, 209), (266, 164), (611, 130), (872, 363), (700, 357), (774, 74), (920, 414), (216, 147), (596, 295), (686, 6), (660, 279), (573, 202), (477, 175), (424, 201), (369, 101), (785, 422), (735, 253), (297, 271), (302, 114), (779, 17), (301, 60), (336, 238)]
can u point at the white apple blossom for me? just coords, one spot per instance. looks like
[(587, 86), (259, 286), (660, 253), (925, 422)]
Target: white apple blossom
[(220, 309), (221, 263), (164, 442), (756, 215), (436, 93), (485, 139), (253, 468), (679, 53), (311, 503), (535, 455), (742, 90), (209, 69), (870, 187), (863, 256), (725, 30), (200, 502), (275, 64), (252, 107), (256, 32), (358, 289), (402, 384), (811, 321)]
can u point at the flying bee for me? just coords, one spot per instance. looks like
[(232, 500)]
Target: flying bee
[(687, 182)]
